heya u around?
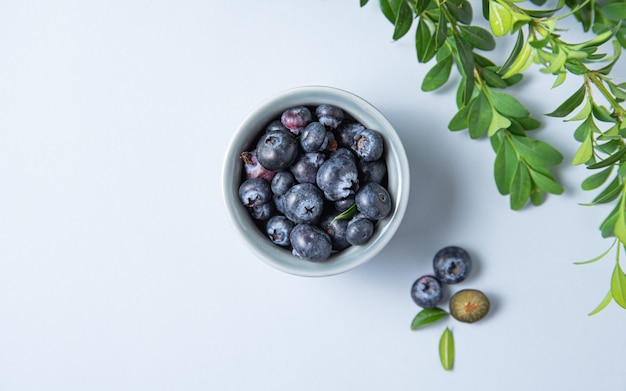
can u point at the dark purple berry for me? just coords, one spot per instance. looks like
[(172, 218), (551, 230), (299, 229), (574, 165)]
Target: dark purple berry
[(346, 133), (344, 203), (310, 242), (276, 150), (426, 291), (305, 168), (278, 229), (276, 125), (282, 181), (254, 191), (368, 145), (336, 229), (338, 178), (329, 115), (313, 138), (372, 171), (262, 211), (303, 203), (343, 152), (359, 230), (296, 118), (253, 169), (373, 200), (452, 264)]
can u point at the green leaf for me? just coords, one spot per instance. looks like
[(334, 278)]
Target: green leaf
[(570, 104), (460, 120), (529, 123), (421, 6), (492, 78), (437, 75), (583, 113), (607, 299), (596, 180), (500, 18), (609, 160), (389, 9), (602, 113), (461, 12), (614, 11), (620, 227), (585, 129), (560, 79), (508, 105), (498, 121), (536, 195), (584, 152), (519, 44), (616, 91), (442, 29), (520, 188), (466, 58), (599, 257), (363, 2), (606, 228), (422, 38), (426, 317), (609, 193), (403, 22), (478, 37), (546, 183), (618, 286), (480, 116), (536, 152), (446, 349), (347, 214), (505, 165)]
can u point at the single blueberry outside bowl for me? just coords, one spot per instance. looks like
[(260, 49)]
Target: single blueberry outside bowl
[(244, 140)]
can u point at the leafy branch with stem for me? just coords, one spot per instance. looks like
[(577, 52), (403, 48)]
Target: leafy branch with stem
[(523, 165)]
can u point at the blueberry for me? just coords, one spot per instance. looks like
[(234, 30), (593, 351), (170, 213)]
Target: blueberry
[(344, 203), (253, 169), (331, 144), (452, 264), (254, 191), (303, 203), (262, 211), (329, 115), (359, 230), (313, 138), (426, 291), (279, 203), (336, 229), (276, 150), (338, 178), (343, 152), (372, 171), (305, 168), (296, 118), (282, 181), (346, 133), (278, 229), (276, 125), (310, 242), (368, 145), (373, 200)]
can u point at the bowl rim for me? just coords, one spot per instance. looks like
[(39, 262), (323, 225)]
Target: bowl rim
[(362, 111)]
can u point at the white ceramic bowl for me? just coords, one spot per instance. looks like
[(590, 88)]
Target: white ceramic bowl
[(245, 138)]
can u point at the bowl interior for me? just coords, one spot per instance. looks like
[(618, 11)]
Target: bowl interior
[(245, 139)]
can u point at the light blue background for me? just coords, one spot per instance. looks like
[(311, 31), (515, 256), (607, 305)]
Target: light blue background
[(118, 267)]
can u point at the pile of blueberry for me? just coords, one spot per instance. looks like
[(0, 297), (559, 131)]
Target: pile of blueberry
[(316, 181), (451, 265)]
